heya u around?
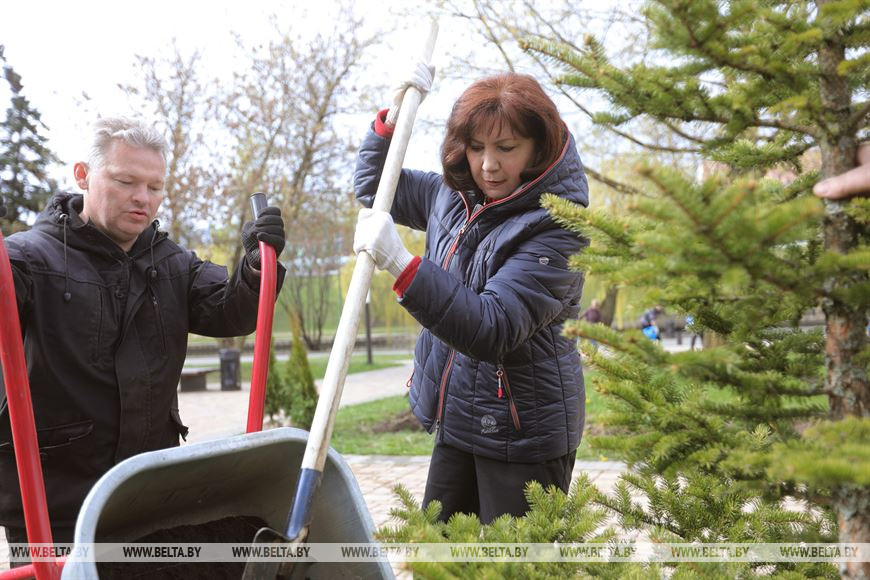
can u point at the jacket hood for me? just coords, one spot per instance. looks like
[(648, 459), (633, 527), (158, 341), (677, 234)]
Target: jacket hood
[(565, 177), (63, 211)]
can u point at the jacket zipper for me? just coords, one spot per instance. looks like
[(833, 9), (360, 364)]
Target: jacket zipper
[(157, 315), (502, 379), (469, 217), (442, 392)]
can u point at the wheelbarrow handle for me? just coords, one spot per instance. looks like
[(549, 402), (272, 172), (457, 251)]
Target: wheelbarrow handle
[(21, 419), (265, 315)]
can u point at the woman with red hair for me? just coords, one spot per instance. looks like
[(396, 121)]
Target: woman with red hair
[(494, 378)]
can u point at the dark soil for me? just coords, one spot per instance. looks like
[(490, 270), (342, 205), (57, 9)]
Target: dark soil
[(402, 421), (230, 530)]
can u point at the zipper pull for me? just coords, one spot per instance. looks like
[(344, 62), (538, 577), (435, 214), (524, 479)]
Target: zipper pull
[(499, 374)]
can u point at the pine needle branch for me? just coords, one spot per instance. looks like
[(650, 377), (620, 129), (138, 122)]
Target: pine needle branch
[(612, 183), (859, 117)]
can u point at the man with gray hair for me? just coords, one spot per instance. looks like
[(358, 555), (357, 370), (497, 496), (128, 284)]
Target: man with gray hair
[(106, 302)]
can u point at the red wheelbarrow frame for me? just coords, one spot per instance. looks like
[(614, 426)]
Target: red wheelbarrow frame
[(23, 425)]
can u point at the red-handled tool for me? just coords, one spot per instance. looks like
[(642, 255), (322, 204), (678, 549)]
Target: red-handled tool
[(265, 313), (21, 420)]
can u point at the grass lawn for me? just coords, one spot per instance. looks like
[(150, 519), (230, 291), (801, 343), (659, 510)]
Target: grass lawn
[(355, 429), (354, 432)]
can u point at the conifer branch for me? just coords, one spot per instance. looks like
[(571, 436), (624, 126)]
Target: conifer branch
[(653, 146), (560, 84), (721, 59), (612, 183), (858, 118), (779, 124), (623, 134), (670, 125), (721, 244)]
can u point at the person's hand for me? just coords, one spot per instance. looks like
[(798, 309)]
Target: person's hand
[(376, 235), (2, 207), (853, 182), (268, 228), (419, 76)]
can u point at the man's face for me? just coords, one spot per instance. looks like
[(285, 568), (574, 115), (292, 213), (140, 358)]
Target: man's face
[(124, 194)]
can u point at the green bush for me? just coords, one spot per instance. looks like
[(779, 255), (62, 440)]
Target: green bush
[(302, 394)]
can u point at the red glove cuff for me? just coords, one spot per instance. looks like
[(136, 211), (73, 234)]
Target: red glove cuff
[(406, 277), (380, 124)]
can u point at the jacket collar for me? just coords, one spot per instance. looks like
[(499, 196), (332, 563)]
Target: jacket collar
[(565, 177)]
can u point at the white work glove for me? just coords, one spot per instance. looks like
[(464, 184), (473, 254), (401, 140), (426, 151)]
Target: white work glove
[(419, 76), (376, 234)]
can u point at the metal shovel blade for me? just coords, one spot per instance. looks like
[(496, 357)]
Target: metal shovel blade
[(261, 569)]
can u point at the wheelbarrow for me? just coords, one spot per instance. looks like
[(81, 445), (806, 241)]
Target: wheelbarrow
[(247, 476)]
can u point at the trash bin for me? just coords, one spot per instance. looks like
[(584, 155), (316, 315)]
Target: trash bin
[(231, 369)]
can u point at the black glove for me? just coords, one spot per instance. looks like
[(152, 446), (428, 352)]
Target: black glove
[(268, 228), (2, 207)]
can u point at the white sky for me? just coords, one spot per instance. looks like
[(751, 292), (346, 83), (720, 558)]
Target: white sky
[(64, 49)]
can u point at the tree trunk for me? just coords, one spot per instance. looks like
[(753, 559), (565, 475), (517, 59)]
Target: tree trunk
[(846, 380), (608, 305)]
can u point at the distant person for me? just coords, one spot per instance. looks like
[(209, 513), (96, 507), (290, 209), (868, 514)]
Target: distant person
[(494, 377), (856, 181), (697, 336), (593, 313), (106, 301), (648, 323)]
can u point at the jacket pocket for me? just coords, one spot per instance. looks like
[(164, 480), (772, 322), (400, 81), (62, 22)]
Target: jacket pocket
[(51, 438)]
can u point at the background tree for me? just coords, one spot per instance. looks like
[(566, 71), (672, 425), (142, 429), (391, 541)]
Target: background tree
[(24, 157), (180, 101), (753, 86), (284, 115), (278, 398), (300, 382), (279, 124), (313, 258)]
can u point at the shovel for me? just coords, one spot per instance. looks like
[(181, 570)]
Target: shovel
[(313, 461)]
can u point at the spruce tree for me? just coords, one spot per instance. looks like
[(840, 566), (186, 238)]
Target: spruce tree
[(24, 156), (301, 391), (718, 439), (277, 393)]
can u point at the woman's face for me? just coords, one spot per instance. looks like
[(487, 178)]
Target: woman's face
[(497, 157)]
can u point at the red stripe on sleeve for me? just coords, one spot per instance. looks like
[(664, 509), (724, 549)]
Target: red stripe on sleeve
[(406, 277)]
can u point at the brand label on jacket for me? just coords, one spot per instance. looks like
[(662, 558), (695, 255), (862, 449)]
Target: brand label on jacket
[(488, 424)]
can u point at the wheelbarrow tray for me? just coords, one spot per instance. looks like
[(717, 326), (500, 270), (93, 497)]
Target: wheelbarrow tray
[(247, 475)]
